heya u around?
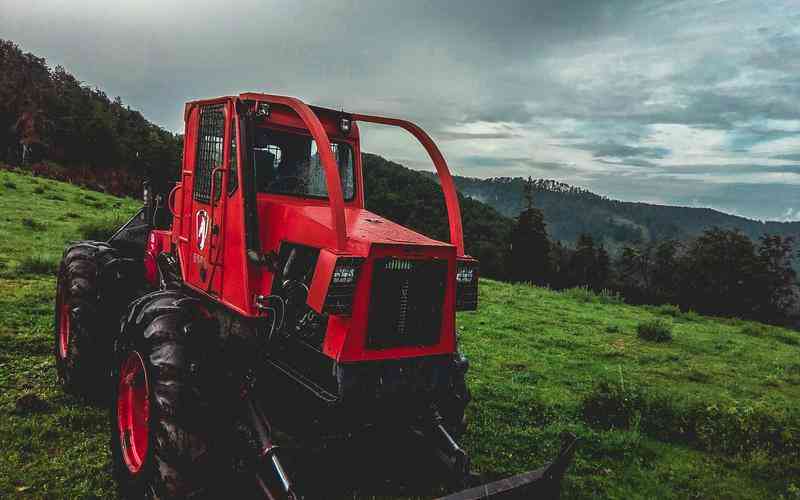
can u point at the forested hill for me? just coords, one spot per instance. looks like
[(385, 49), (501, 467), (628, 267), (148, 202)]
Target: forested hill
[(48, 115), (570, 212)]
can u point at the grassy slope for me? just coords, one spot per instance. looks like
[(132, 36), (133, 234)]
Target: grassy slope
[(59, 452), (537, 357)]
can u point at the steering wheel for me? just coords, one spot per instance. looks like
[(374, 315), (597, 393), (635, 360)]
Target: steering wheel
[(292, 182)]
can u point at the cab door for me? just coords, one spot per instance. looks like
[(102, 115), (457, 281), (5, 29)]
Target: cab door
[(207, 213)]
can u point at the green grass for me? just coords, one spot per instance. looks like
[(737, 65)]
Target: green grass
[(714, 413), (59, 449)]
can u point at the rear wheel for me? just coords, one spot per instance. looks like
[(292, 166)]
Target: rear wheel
[(162, 422), (86, 315)]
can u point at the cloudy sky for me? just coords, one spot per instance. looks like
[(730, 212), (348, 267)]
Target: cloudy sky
[(692, 102)]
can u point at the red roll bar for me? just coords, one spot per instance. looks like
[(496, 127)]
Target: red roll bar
[(332, 181), (446, 180)]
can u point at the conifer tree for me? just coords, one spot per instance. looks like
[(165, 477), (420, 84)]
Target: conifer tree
[(530, 245)]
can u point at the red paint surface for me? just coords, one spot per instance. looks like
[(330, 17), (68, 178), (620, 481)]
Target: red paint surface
[(133, 412), (63, 329)]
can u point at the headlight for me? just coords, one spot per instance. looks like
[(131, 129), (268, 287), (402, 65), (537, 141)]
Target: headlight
[(466, 285), (339, 299), (263, 110), (344, 275), (465, 274), (345, 125)]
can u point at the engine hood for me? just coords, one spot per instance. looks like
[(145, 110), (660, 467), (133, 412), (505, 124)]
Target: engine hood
[(312, 225)]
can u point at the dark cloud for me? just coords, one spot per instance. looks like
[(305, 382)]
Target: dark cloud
[(615, 150), (457, 136), (580, 89)]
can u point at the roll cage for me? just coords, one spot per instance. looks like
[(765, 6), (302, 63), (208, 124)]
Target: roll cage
[(332, 178)]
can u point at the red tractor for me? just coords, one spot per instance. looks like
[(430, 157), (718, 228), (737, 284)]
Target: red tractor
[(258, 302)]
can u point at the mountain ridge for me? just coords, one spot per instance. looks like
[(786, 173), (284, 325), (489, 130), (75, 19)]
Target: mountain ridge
[(570, 211)]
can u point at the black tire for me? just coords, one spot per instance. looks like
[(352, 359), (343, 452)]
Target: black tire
[(453, 407), (94, 284), (166, 329)]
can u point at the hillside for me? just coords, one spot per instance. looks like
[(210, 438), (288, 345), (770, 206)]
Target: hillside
[(715, 413), (571, 211), (48, 115)]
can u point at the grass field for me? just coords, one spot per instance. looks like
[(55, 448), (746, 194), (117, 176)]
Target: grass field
[(713, 412)]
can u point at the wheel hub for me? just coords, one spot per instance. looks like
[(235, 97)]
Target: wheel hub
[(63, 330), (133, 412)]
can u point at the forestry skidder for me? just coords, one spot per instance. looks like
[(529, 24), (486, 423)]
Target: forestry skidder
[(257, 302)]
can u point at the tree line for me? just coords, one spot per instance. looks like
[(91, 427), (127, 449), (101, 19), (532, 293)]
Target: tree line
[(721, 272), (47, 115)]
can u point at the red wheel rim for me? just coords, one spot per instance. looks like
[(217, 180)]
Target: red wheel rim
[(133, 412), (63, 330)]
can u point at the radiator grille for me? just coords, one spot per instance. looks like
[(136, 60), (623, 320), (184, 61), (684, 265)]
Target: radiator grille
[(406, 304)]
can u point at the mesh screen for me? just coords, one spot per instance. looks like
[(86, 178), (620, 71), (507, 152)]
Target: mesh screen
[(209, 151)]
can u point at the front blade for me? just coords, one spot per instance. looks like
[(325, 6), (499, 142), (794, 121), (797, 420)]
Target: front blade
[(543, 483)]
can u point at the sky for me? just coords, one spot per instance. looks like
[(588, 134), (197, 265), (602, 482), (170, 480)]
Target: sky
[(685, 102)]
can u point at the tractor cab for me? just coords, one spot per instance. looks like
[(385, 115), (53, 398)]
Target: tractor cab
[(270, 210)]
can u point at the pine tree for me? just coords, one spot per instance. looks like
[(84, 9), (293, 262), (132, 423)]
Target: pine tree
[(530, 245), (583, 261), (778, 277), (601, 273)]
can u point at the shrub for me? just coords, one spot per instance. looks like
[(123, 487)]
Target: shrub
[(613, 329), (608, 296), (667, 310), (691, 316), (9, 185), (34, 225), (610, 405), (754, 330), (656, 330), (727, 427), (585, 294), (580, 294), (99, 229), (38, 190), (787, 338), (38, 264)]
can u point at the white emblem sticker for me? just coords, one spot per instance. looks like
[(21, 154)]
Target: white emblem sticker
[(202, 229)]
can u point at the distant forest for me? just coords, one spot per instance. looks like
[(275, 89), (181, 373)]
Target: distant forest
[(539, 231), (571, 212)]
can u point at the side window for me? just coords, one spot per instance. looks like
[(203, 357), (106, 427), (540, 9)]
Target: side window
[(233, 181), (209, 151)]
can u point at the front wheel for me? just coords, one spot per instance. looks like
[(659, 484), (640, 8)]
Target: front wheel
[(162, 422)]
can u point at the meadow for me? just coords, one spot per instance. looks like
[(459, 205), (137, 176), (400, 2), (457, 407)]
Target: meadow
[(665, 403)]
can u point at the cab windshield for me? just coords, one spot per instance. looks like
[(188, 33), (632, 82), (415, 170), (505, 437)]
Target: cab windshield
[(289, 163)]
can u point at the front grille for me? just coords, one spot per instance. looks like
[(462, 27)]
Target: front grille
[(406, 304)]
